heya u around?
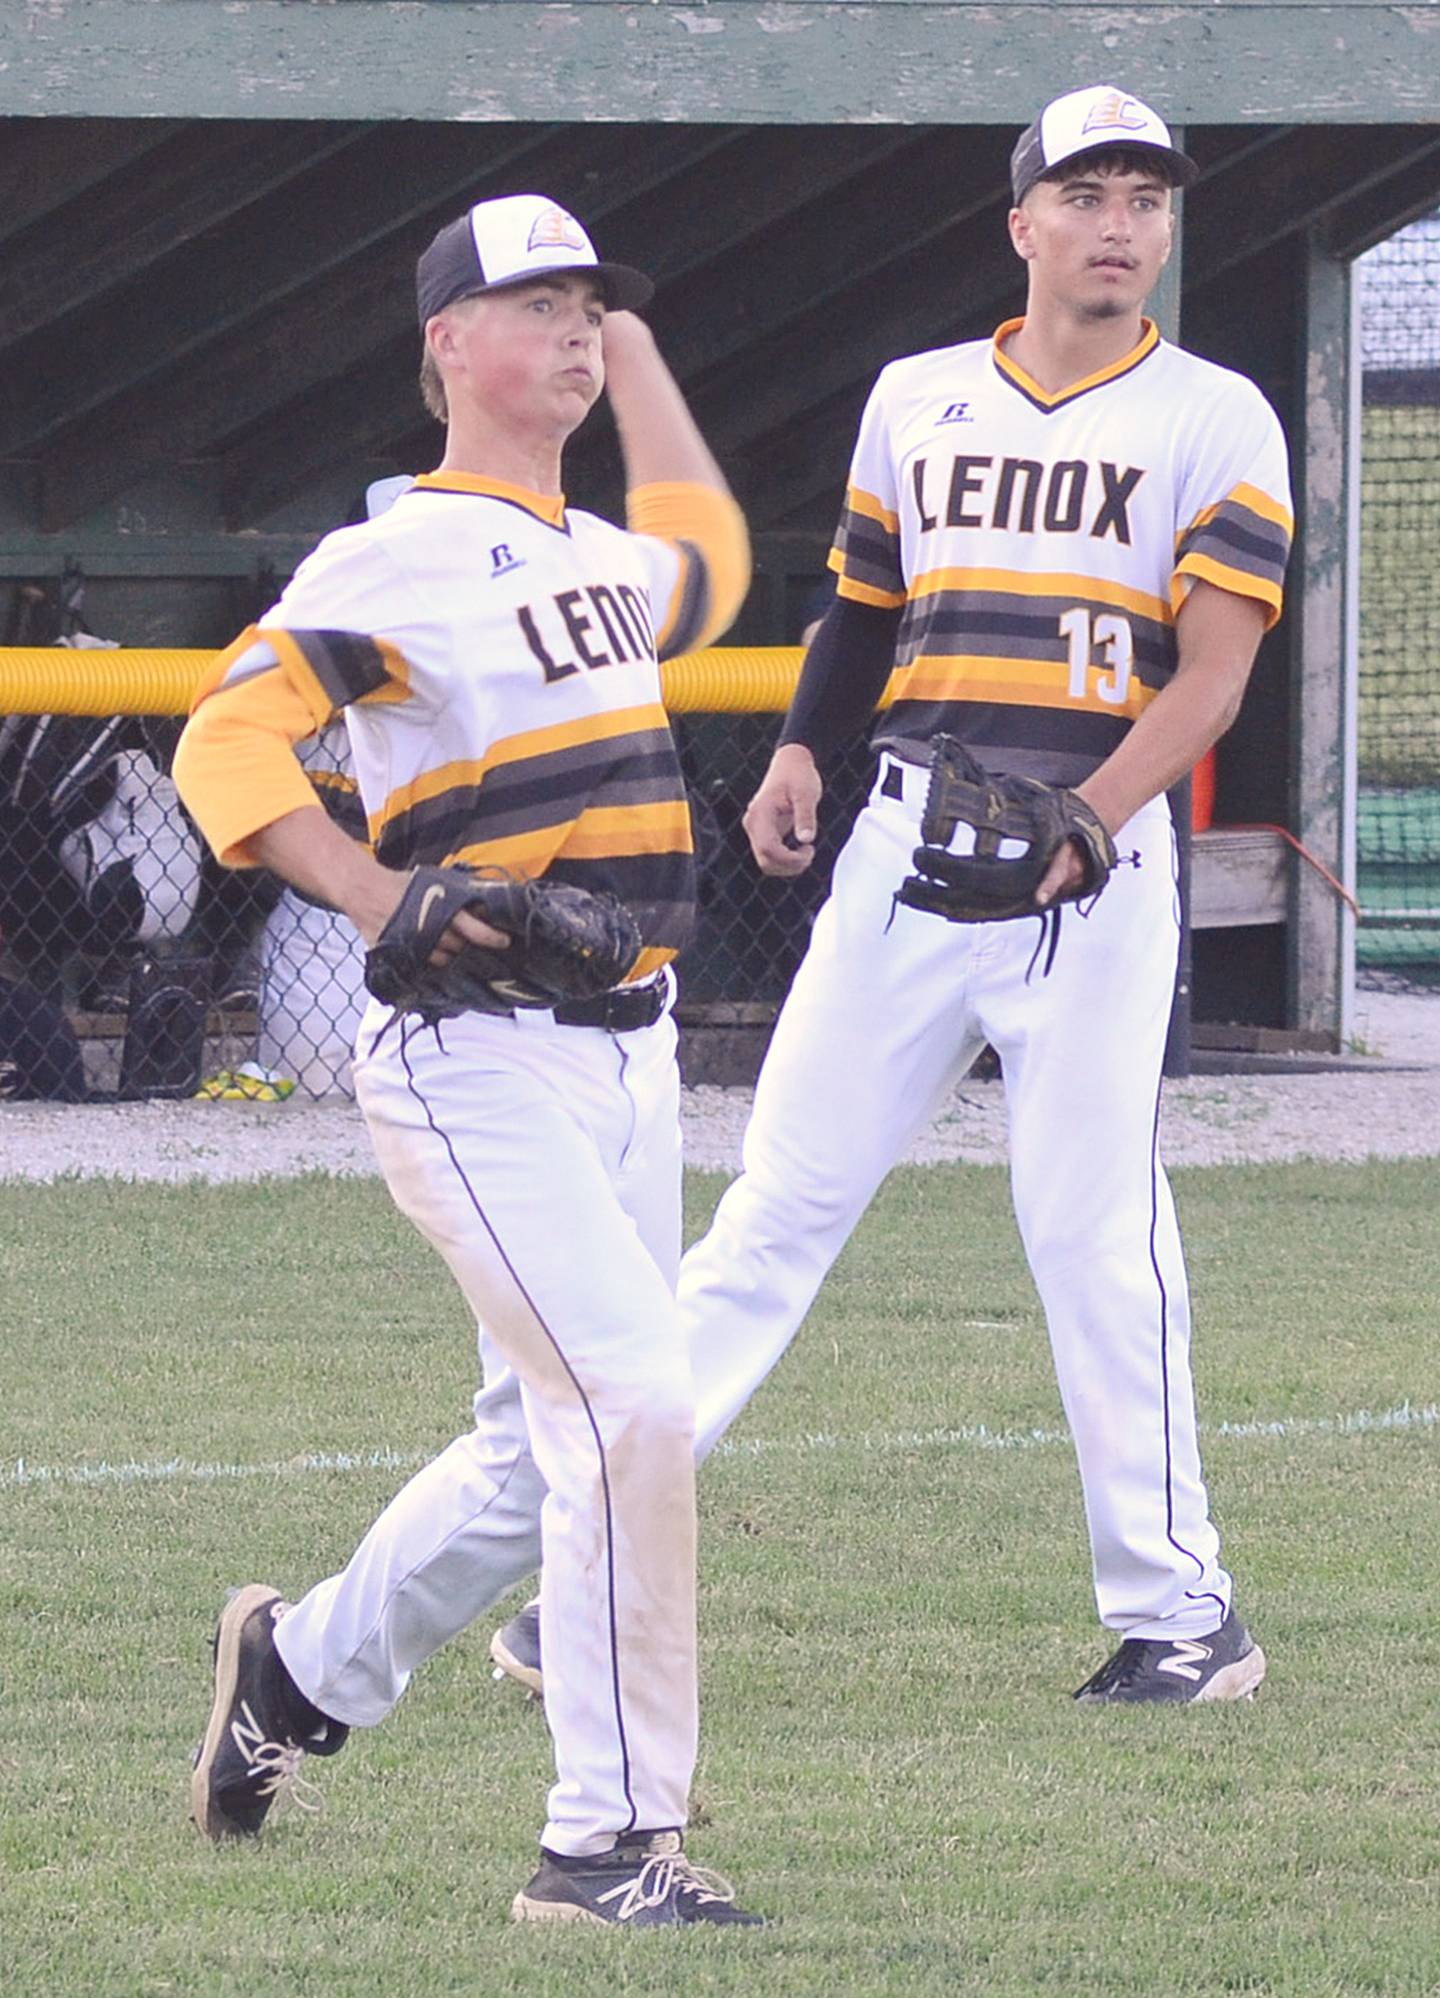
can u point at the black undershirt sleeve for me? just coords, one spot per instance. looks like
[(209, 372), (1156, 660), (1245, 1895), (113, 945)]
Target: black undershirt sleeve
[(844, 675)]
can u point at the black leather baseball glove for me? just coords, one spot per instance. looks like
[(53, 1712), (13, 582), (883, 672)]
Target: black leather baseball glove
[(983, 887), (565, 943)]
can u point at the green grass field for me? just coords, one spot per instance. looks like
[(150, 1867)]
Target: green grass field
[(895, 1605)]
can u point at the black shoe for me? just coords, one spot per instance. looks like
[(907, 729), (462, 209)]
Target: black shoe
[(1226, 1665), (261, 1728), (516, 1649), (644, 1882)]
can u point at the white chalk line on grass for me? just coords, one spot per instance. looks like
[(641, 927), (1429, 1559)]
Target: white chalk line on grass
[(905, 1442)]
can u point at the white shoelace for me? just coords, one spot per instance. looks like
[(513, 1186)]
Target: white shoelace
[(275, 1763), (661, 1875)]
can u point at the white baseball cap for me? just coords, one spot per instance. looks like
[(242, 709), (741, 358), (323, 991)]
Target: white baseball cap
[(513, 240), (1099, 119)]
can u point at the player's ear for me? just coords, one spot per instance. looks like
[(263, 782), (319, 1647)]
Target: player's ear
[(1169, 234), (1022, 234), (439, 337)]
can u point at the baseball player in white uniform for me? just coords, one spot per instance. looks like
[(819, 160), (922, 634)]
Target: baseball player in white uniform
[(1064, 544), (494, 655)]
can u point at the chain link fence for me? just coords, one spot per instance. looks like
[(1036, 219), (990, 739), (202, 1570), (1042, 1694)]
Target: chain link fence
[(1399, 643), (130, 963)]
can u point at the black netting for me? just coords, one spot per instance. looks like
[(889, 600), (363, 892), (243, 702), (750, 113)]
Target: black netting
[(131, 961), (126, 949), (752, 931), (124, 944), (1399, 637)]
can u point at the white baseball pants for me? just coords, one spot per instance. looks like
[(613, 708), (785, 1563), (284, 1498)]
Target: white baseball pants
[(543, 1162), (888, 1010)]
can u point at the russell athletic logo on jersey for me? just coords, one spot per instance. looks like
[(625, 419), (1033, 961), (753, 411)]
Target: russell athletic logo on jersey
[(1024, 496)]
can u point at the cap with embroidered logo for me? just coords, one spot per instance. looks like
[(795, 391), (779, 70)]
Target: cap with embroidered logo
[(1100, 119), (514, 240)]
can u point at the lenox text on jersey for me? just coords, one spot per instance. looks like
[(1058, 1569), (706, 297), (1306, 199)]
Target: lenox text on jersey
[(1024, 495), (601, 624)]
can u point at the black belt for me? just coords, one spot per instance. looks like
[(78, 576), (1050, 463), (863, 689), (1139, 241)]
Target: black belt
[(619, 1012)]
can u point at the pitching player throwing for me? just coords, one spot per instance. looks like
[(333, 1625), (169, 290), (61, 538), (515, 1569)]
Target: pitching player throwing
[(1066, 543), (494, 654)]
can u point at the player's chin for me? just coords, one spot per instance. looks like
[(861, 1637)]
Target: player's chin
[(1111, 304), (582, 387)]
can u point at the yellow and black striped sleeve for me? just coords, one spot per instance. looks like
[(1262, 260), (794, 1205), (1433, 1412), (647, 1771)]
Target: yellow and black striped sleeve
[(866, 554), (1241, 544), (339, 669), (235, 766), (707, 531)]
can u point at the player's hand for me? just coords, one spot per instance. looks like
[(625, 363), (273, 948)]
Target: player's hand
[(466, 928), (1066, 870), (781, 819), (376, 897), (623, 334)]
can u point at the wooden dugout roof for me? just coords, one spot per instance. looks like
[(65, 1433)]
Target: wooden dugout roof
[(751, 61), (209, 216), (208, 248)]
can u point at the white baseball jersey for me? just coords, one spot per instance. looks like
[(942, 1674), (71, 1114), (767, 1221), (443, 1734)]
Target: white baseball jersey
[(495, 656), (1042, 545)]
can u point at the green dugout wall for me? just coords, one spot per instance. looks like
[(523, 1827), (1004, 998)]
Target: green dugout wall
[(209, 217)]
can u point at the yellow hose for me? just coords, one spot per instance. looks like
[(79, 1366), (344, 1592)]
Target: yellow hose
[(51, 680), (732, 680)]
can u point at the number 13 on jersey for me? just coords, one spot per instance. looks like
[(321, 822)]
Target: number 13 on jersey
[(1107, 636)]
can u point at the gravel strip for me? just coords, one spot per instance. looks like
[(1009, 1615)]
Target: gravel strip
[(1390, 1111)]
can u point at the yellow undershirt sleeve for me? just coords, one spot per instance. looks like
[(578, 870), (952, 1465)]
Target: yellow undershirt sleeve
[(235, 766), (714, 524)]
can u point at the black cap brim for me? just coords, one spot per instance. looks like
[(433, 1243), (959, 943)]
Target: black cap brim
[(625, 289), (449, 271)]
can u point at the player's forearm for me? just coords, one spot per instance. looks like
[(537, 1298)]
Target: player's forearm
[(1168, 740), (660, 441), (1218, 635), (844, 674), (307, 849)]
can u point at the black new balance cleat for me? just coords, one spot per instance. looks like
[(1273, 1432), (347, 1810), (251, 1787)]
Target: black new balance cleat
[(261, 1727), (515, 1648), (1226, 1665), (644, 1882)]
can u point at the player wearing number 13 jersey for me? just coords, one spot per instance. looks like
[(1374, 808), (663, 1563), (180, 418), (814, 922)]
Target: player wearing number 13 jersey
[(1063, 546), (1040, 545)]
